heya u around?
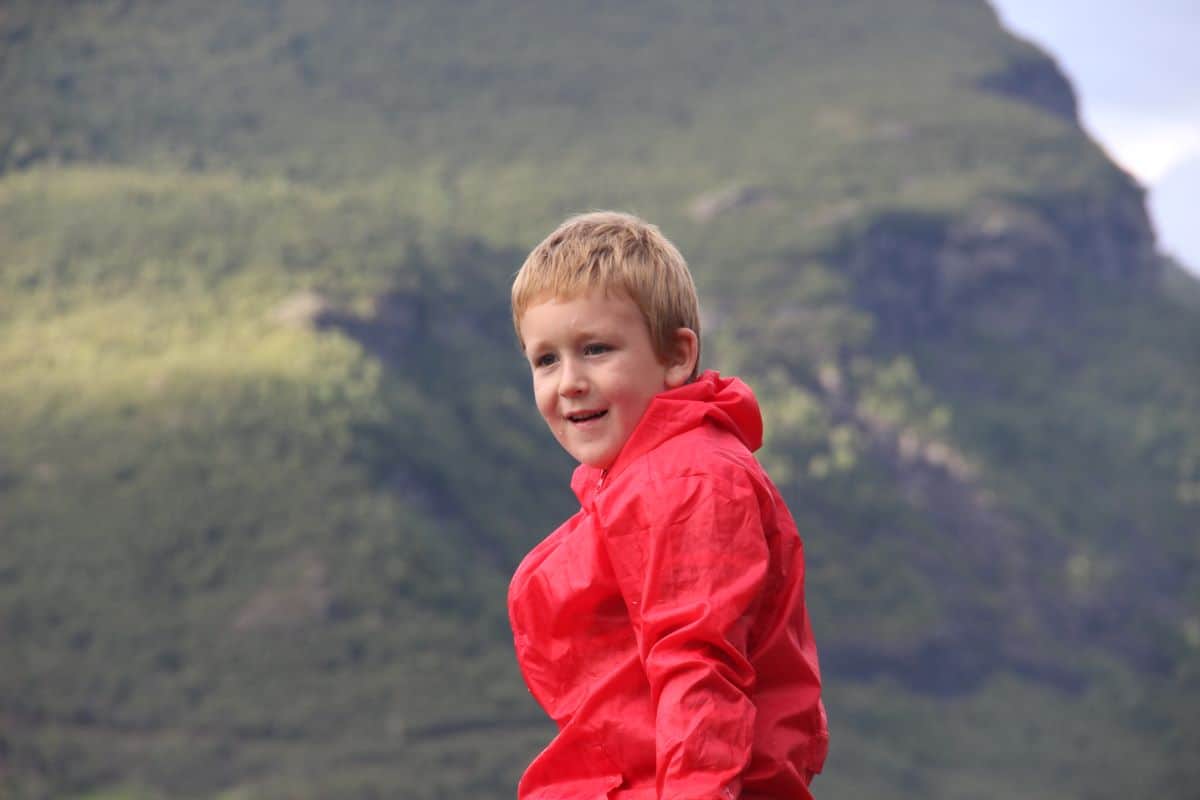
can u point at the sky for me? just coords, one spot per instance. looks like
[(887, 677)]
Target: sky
[(1136, 72)]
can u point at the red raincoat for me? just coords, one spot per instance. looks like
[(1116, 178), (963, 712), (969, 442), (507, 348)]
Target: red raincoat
[(663, 626)]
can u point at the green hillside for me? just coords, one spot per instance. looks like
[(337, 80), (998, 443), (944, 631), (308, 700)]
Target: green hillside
[(268, 454)]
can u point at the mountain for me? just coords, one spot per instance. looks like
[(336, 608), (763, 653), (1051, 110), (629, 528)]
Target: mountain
[(268, 454)]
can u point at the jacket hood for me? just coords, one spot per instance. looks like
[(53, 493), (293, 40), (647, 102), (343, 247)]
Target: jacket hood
[(727, 402)]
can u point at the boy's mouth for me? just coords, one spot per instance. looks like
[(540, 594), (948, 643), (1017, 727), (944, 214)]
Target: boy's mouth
[(585, 416)]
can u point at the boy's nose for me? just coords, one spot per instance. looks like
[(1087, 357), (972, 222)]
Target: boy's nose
[(572, 382)]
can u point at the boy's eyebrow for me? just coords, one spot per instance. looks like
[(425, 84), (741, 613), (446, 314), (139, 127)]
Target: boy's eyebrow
[(533, 345), (599, 331)]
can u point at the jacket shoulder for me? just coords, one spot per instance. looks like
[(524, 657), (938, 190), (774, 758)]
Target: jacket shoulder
[(703, 451), (698, 462)]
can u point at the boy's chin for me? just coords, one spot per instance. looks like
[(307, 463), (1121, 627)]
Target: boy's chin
[(594, 460), (594, 454), (595, 463)]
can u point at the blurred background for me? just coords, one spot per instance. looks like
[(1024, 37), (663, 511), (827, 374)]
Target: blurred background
[(268, 454)]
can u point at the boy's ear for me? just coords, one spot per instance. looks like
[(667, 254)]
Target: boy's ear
[(682, 361)]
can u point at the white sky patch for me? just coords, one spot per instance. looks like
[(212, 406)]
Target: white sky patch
[(1146, 146)]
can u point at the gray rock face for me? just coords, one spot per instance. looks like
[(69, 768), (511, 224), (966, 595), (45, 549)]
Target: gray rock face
[(1001, 265)]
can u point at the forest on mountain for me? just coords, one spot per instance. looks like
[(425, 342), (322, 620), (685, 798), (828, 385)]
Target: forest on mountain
[(268, 453)]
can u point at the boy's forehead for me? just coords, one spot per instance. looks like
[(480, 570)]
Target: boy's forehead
[(588, 307), (573, 291), (608, 295)]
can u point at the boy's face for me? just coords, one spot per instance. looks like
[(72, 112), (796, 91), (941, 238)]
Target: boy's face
[(594, 371)]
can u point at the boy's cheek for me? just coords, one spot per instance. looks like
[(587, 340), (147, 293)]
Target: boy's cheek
[(550, 417), (545, 407), (540, 400)]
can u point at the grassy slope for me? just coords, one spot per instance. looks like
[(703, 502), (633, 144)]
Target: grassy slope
[(185, 478)]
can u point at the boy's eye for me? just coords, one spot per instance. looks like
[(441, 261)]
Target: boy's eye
[(595, 349), (544, 360)]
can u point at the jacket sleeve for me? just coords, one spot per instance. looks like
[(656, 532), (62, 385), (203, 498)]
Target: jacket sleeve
[(691, 560)]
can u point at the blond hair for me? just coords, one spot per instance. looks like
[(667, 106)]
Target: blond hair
[(613, 251)]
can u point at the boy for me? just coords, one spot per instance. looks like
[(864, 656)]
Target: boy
[(663, 626)]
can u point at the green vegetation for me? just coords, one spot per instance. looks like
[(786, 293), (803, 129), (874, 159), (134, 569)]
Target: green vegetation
[(267, 451)]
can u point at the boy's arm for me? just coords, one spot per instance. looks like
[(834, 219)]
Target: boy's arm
[(691, 569)]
